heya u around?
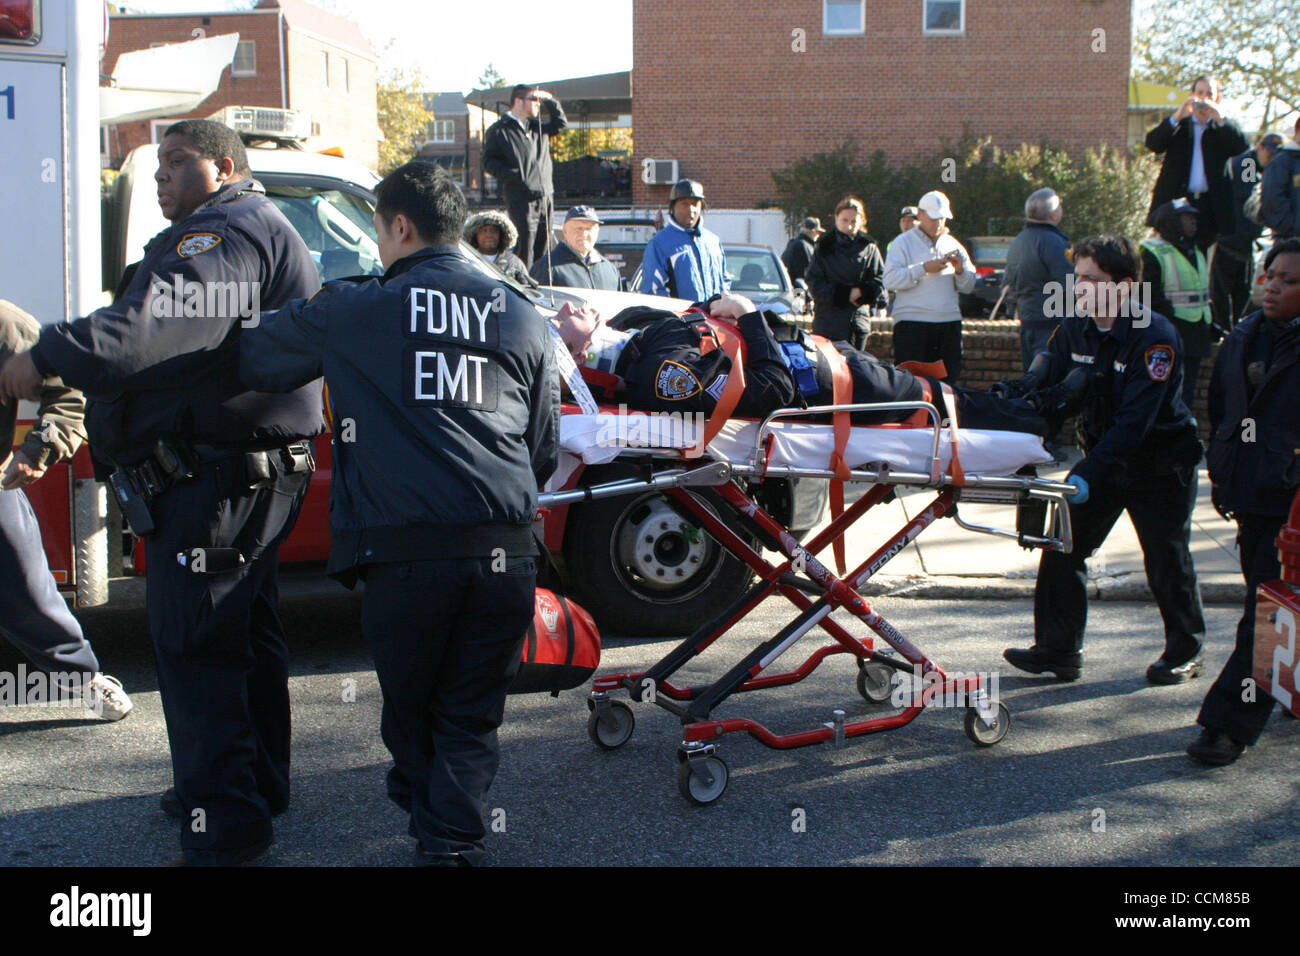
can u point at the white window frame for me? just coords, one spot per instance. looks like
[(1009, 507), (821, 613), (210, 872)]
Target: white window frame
[(326, 64), (158, 127), (347, 77), (434, 128), (250, 45), (961, 28), (862, 21)]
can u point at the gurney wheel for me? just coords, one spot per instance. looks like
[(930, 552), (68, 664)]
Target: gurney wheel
[(703, 780), (875, 682), (611, 728), (982, 734)]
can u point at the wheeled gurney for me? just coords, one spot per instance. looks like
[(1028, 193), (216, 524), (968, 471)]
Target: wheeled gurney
[(700, 474)]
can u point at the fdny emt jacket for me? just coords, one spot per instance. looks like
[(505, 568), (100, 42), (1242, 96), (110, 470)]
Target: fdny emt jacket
[(1134, 423), (445, 400), (161, 360)]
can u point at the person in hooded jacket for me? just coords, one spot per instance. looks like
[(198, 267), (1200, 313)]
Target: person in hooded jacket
[(493, 235), (845, 277), (1178, 276)]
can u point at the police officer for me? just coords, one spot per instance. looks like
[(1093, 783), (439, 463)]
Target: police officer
[(684, 260), (33, 615), (448, 380), (1141, 453), (656, 360), (210, 473), (1254, 465)]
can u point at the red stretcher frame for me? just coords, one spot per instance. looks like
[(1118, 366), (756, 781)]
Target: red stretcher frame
[(702, 776)]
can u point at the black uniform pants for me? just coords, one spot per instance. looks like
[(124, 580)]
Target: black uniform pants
[(1229, 285), (1224, 710), (223, 666), (533, 220), (929, 342), (446, 636), (33, 615), (1161, 510)]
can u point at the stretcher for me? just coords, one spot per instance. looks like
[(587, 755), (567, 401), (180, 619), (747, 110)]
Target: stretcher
[(702, 468)]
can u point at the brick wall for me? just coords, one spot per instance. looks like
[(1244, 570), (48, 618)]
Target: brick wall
[(347, 118), (344, 114), (731, 100)]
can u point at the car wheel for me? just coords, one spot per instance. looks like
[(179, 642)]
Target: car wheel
[(643, 570)]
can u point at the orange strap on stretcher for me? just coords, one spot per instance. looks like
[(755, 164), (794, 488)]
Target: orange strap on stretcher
[(728, 337), (937, 370), (841, 394)]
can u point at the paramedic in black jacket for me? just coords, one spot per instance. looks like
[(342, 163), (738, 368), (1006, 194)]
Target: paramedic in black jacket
[(223, 489), (1141, 453), (449, 383), (655, 360), (1254, 464)]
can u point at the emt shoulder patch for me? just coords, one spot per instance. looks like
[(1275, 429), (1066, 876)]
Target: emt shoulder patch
[(196, 242), (675, 382), (1160, 362)]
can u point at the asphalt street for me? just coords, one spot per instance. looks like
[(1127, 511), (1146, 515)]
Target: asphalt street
[(1091, 772)]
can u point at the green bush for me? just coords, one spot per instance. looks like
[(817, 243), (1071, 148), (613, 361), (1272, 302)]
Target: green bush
[(1103, 190)]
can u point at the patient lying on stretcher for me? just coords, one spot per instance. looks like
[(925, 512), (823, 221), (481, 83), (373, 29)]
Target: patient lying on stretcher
[(656, 360)]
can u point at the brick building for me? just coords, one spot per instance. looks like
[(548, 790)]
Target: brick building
[(760, 84), (291, 55), (454, 138)]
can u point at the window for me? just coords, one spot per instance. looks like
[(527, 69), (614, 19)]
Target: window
[(945, 16), (325, 69), (245, 63), (336, 225), (347, 80), (454, 166), (844, 16), (442, 131)]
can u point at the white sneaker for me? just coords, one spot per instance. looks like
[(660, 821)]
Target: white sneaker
[(105, 696)]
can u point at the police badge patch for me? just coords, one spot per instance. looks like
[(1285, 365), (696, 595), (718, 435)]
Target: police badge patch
[(675, 382), (196, 242), (1160, 362)]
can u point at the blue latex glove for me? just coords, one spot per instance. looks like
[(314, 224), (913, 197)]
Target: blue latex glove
[(1080, 484)]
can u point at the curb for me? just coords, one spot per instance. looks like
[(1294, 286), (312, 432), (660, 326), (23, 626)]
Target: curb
[(1216, 588)]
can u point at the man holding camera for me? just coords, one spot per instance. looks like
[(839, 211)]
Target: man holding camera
[(1196, 142), (926, 268)]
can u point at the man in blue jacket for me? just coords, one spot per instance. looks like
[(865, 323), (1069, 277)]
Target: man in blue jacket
[(684, 260), (1038, 265), (447, 379)]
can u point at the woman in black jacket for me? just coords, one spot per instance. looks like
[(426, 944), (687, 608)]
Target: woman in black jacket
[(845, 277)]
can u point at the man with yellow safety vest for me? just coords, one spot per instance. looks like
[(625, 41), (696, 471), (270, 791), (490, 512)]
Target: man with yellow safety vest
[(1178, 277)]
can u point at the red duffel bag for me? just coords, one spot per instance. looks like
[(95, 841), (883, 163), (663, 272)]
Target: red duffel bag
[(562, 649)]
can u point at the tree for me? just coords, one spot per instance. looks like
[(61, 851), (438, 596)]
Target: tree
[(1252, 47), (1103, 190), (490, 79), (402, 118), (577, 141)]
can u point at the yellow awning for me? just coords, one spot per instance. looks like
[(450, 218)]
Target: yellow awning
[(1144, 95)]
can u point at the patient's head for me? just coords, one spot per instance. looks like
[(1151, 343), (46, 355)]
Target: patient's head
[(577, 325)]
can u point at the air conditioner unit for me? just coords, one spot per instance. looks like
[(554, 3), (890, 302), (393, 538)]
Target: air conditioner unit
[(659, 172)]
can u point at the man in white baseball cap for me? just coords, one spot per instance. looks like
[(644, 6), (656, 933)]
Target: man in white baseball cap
[(926, 268)]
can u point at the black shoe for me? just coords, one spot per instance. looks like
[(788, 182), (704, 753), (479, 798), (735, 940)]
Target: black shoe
[(1214, 748), (425, 857), (170, 802), (1162, 672), (221, 857), (1035, 660)]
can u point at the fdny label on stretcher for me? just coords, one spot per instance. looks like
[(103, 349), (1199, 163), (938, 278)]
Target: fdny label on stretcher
[(449, 378)]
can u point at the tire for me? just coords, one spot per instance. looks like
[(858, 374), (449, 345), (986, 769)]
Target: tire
[(665, 586), (982, 735)]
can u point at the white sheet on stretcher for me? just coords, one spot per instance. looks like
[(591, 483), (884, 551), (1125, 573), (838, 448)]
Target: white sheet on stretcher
[(598, 439)]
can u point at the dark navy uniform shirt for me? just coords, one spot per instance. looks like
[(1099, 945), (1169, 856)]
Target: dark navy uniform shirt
[(1134, 423), (162, 360), (446, 404)]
